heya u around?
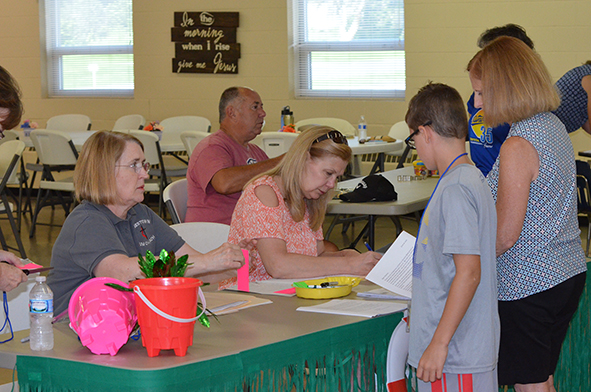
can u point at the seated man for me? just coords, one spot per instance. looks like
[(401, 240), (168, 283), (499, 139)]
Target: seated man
[(225, 161)]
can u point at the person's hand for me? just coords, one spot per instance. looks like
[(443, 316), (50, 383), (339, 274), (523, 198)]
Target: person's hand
[(364, 262), (226, 257), (249, 244), (10, 277), (10, 258), (430, 367)]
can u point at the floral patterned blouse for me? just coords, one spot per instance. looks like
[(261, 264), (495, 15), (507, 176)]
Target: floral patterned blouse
[(253, 219)]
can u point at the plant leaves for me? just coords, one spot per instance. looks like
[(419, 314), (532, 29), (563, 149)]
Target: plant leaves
[(119, 287)]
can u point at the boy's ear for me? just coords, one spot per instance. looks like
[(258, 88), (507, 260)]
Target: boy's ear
[(427, 133)]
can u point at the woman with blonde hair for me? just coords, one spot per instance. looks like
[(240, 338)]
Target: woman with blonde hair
[(105, 233), (284, 210), (540, 262)]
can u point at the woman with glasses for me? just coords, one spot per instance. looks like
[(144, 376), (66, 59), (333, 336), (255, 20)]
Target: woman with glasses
[(284, 210), (105, 233), (540, 262)]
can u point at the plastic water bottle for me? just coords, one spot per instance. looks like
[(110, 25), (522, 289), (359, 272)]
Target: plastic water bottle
[(41, 316), (362, 129)]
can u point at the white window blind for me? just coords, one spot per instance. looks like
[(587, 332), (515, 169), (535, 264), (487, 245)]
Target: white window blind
[(89, 46), (349, 48)]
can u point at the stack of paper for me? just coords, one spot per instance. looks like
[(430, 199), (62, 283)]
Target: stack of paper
[(393, 273), (220, 303), (353, 307)]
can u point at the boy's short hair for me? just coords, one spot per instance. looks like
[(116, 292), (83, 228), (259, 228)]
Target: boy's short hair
[(441, 106)]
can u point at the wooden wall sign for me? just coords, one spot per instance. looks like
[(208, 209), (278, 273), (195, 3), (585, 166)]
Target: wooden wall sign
[(205, 42)]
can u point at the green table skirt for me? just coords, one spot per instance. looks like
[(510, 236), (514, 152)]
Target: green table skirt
[(328, 360)]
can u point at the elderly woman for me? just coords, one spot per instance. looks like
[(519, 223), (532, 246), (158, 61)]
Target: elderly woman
[(105, 233), (11, 107), (540, 262), (284, 210)]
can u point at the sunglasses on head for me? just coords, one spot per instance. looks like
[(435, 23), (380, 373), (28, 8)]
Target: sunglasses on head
[(335, 136)]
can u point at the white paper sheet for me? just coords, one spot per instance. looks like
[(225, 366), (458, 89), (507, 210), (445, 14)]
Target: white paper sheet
[(394, 270), (382, 293), (355, 307)]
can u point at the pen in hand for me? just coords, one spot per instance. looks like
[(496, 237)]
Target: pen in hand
[(368, 247)]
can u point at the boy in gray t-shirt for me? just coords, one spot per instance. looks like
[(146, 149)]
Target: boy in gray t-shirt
[(454, 325)]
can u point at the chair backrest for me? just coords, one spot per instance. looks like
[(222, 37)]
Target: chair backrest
[(151, 146), (131, 121), (583, 181), (9, 135), (69, 122), (186, 123), (399, 131), (583, 195), (191, 139), (173, 126), (175, 197), (54, 147), (275, 143), (203, 236), (343, 126), (10, 153)]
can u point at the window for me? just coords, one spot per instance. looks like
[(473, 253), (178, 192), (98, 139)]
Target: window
[(349, 48), (89, 47)]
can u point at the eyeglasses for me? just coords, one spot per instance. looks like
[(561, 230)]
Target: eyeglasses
[(335, 136), (410, 141), (138, 166)]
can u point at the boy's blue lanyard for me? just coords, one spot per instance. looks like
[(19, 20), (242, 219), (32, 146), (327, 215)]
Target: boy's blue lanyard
[(430, 197)]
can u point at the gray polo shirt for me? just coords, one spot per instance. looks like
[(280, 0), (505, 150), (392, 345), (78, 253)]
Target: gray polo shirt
[(91, 233)]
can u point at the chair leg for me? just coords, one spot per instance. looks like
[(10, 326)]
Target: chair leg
[(40, 203), (588, 235), (335, 221), (17, 236)]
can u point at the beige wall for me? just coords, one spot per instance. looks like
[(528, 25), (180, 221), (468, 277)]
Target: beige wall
[(440, 39)]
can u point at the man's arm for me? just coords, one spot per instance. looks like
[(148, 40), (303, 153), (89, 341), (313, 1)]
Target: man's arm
[(460, 296), (232, 179)]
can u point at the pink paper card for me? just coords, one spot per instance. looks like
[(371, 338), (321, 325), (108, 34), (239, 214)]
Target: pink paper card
[(291, 290), (31, 266), (243, 282)]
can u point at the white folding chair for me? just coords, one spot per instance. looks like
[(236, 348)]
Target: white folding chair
[(23, 187), (343, 126), (400, 131), (69, 122), (131, 121), (203, 236), (10, 155), (191, 139), (159, 169), (57, 153), (175, 198), (275, 143), (173, 126)]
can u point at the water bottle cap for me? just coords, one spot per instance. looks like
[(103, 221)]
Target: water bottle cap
[(40, 278), (286, 111)]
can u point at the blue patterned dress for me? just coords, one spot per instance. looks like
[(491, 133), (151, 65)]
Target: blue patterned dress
[(573, 109), (548, 251)]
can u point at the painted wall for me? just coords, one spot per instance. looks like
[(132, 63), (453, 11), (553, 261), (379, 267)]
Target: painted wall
[(440, 40)]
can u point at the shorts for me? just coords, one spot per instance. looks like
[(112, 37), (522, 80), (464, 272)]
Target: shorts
[(533, 329), (450, 382)]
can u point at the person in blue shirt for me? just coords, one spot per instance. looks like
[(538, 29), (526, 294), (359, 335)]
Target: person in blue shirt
[(485, 141), (575, 88)]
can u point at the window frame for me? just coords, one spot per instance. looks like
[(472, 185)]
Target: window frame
[(54, 55), (303, 50)]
